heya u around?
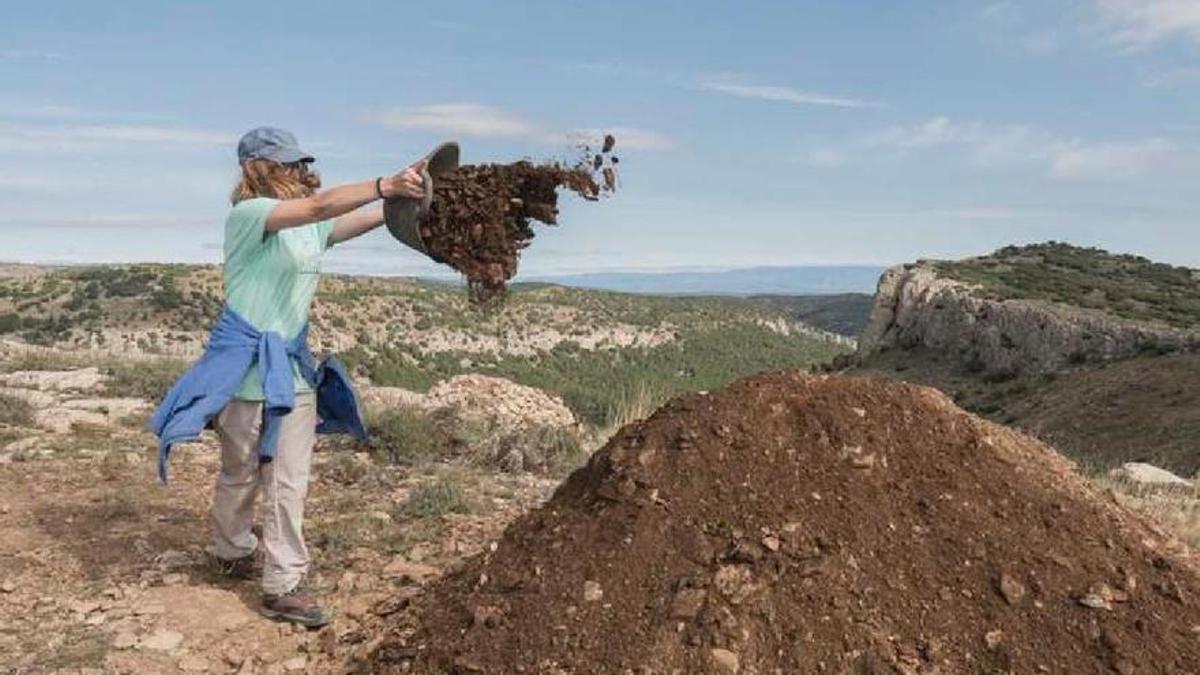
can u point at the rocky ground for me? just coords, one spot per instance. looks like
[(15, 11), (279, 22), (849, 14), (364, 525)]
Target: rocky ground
[(104, 570)]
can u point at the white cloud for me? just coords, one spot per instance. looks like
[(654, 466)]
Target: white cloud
[(995, 147), (473, 119), (1172, 78), (1010, 24), (1080, 160), (468, 119), (974, 213), (1139, 23), (781, 94), (70, 139), (37, 110), (19, 54)]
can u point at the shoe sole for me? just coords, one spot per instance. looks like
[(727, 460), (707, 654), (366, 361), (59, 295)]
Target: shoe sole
[(305, 621)]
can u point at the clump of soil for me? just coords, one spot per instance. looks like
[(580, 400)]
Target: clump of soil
[(481, 215), (796, 523)]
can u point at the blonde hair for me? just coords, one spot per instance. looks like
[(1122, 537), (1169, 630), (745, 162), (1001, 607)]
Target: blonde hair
[(264, 178)]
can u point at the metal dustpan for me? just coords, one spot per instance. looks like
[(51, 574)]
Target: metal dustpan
[(401, 214)]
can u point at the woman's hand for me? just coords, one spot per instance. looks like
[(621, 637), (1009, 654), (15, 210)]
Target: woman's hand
[(407, 183)]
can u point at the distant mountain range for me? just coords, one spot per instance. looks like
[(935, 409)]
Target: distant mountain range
[(814, 280)]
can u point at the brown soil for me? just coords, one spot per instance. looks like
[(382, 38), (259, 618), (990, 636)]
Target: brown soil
[(481, 215), (795, 523)]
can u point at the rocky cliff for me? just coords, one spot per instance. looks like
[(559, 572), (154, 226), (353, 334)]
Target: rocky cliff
[(916, 305)]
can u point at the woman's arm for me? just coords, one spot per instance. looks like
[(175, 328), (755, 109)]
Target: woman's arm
[(343, 199), (356, 223)]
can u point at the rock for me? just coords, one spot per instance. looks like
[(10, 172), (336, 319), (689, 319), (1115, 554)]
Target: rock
[(687, 603), (234, 656), (993, 638), (111, 408), (390, 398), (1148, 475), (61, 420), (1107, 593), (172, 560), (83, 379), (194, 664), (174, 579), (465, 664), (1012, 590), (85, 607), (734, 582), (486, 616), (37, 399), (230, 621), (8, 587), (125, 640), (592, 592), (162, 641), (148, 609), (725, 660), (1095, 601), (296, 663), (405, 571), (504, 403)]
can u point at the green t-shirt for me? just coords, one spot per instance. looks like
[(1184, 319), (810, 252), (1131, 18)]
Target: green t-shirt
[(271, 277)]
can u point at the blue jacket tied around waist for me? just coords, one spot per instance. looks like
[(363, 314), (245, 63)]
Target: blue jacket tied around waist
[(211, 383)]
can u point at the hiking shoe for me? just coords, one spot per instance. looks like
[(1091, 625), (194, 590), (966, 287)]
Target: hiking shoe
[(296, 606), (238, 568)]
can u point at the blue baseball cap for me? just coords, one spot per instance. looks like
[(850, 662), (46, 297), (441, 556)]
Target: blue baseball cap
[(271, 143)]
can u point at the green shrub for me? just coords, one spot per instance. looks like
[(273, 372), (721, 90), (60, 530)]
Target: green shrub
[(146, 379), (406, 435)]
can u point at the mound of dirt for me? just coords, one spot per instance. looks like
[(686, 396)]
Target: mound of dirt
[(480, 219), (501, 403), (798, 524)]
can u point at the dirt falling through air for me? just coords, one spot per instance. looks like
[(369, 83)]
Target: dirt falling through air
[(481, 216)]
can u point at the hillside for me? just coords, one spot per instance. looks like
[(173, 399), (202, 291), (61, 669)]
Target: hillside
[(843, 313), (1094, 352), (1121, 286), (600, 351)]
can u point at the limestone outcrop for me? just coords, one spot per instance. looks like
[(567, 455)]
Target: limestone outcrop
[(917, 307)]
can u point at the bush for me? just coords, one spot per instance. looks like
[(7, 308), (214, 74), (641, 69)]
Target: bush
[(437, 498), (540, 449), (15, 411), (145, 379), (406, 435)]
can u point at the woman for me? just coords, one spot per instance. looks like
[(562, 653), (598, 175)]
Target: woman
[(257, 383)]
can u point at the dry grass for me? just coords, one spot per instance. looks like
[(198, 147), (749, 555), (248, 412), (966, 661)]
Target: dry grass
[(15, 411), (1174, 509), (443, 495)]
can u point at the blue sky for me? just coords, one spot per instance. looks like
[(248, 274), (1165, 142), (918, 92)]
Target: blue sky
[(751, 133)]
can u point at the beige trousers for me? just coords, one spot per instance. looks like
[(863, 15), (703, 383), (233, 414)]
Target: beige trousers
[(282, 482)]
